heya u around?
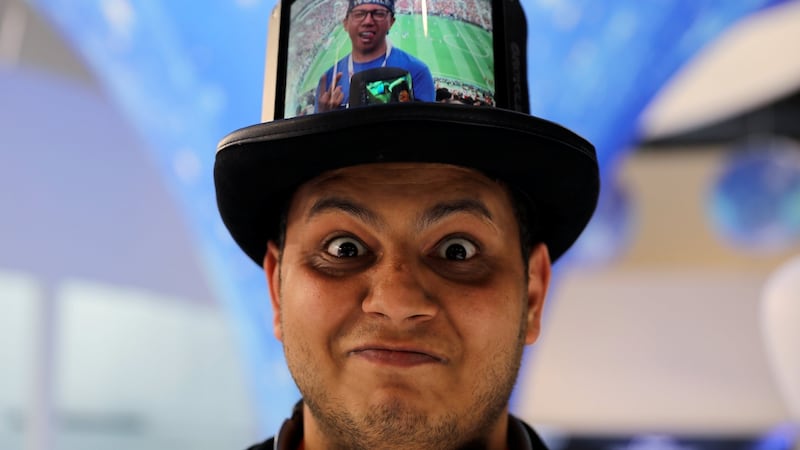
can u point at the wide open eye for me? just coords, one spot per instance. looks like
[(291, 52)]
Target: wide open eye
[(346, 247), (456, 249)]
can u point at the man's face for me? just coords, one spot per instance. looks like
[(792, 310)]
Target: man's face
[(368, 34), (402, 302)]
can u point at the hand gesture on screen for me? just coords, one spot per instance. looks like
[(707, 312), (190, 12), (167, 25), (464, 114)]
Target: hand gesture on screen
[(330, 99)]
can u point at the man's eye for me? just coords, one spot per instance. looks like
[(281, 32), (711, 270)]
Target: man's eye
[(456, 249), (346, 247)]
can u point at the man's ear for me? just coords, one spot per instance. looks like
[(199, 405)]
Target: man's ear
[(272, 269), (539, 269)]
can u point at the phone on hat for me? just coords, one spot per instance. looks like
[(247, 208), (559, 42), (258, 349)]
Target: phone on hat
[(474, 52)]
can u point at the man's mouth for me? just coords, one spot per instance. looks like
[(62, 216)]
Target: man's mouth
[(396, 357)]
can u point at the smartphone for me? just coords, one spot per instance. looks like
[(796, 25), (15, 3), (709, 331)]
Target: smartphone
[(474, 50)]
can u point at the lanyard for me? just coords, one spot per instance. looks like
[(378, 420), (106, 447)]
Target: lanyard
[(350, 69)]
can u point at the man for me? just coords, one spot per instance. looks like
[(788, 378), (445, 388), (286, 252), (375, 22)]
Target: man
[(368, 22), (401, 301), (405, 282)]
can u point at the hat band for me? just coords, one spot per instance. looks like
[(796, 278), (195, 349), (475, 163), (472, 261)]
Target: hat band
[(388, 4)]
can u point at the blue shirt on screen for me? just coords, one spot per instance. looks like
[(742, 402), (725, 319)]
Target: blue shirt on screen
[(421, 78)]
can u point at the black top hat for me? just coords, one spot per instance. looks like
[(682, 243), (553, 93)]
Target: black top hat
[(258, 167)]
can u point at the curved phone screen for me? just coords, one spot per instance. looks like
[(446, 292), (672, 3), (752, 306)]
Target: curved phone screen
[(350, 53)]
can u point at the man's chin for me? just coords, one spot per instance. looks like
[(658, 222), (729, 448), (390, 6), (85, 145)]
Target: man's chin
[(401, 421), (401, 398)]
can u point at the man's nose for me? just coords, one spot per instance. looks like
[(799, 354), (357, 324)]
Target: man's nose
[(398, 293)]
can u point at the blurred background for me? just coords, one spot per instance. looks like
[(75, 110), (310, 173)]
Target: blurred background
[(130, 320)]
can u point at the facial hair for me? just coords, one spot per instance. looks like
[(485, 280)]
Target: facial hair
[(396, 425)]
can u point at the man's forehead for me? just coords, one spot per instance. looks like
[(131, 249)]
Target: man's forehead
[(418, 186)]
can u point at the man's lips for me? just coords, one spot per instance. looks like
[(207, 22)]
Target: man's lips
[(403, 357)]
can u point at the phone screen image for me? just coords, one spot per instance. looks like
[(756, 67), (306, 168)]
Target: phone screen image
[(436, 51)]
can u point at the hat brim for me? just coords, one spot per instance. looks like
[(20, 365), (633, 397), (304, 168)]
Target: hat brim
[(257, 168)]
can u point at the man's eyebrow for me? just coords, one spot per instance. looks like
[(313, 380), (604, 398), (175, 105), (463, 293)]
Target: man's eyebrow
[(444, 209), (342, 204)]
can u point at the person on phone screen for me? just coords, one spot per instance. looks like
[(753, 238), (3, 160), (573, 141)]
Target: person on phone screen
[(368, 22)]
